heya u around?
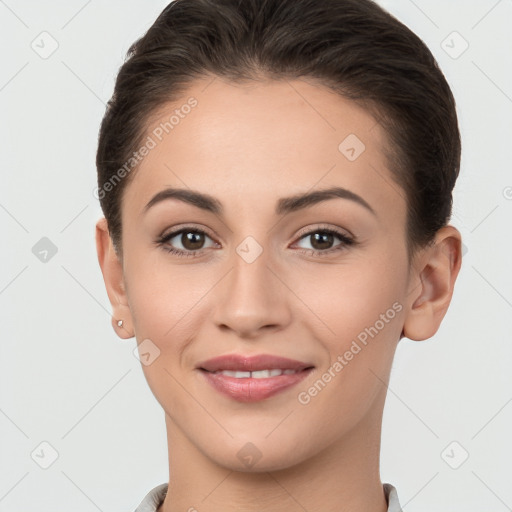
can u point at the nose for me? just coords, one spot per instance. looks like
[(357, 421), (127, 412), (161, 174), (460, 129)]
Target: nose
[(252, 300)]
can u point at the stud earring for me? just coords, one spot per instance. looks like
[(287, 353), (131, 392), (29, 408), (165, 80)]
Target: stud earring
[(120, 323)]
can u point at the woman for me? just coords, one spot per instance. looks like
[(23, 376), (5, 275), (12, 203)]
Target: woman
[(276, 178)]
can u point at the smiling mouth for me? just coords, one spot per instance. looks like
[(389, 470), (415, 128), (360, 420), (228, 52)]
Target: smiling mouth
[(254, 386), (257, 374)]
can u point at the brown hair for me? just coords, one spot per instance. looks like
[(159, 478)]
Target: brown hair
[(354, 47)]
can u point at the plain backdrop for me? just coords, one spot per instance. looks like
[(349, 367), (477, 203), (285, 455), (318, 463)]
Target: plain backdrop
[(73, 396)]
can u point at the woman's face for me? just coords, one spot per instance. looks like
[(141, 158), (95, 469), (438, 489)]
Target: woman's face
[(266, 277)]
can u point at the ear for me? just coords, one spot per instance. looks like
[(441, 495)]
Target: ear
[(431, 285), (112, 270)]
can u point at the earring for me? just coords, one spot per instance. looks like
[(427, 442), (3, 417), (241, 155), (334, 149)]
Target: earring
[(120, 323)]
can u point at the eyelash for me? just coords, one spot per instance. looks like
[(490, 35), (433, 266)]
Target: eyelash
[(345, 239)]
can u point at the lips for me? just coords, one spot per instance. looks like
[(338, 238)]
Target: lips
[(243, 378), (238, 362)]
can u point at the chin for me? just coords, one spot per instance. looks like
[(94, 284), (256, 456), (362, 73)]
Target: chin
[(259, 455)]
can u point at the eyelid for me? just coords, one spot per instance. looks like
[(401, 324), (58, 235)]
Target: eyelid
[(188, 226), (324, 227)]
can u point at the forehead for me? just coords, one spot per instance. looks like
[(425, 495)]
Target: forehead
[(263, 140)]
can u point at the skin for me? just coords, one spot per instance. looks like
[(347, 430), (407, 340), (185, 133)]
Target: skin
[(248, 146)]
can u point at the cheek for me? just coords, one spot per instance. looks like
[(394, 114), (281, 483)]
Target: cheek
[(357, 318), (342, 300), (167, 305), (165, 299)]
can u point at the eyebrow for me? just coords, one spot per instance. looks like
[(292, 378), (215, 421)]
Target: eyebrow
[(284, 205)]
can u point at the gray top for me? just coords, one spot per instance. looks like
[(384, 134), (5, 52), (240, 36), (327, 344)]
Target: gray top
[(155, 498)]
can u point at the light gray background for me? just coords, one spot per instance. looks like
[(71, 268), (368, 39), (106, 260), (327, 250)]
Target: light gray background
[(67, 380)]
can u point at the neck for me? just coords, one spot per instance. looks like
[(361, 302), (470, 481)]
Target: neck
[(343, 477)]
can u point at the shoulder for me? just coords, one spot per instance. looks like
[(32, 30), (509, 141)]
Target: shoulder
[(153, 499), (392, 497)]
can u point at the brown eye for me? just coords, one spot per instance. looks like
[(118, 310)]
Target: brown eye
[(321, 240), (186, 241), (192, 240)]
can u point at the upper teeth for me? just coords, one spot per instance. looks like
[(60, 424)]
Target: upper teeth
[(260, 374)]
